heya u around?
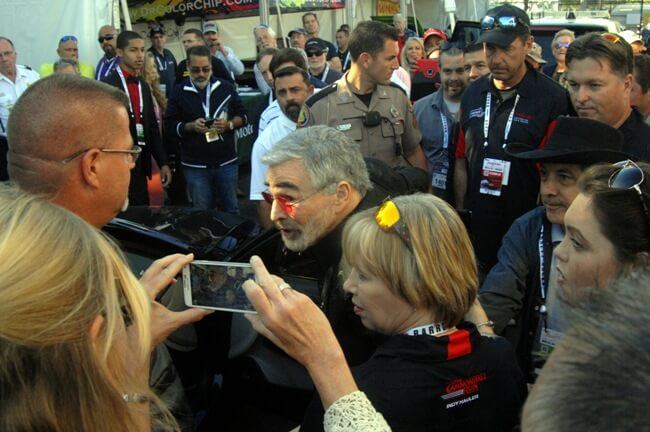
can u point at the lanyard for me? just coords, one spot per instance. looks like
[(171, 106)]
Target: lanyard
[(429, 329), (542, 282), (486, 120), (347, 60), (445, 130), (206, 104), (325, 72), (162, 65), (109, 65), (126, 89)]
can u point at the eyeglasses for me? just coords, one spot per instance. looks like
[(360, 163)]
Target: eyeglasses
[(505, 22), (630, 176), (388, 218), (101, 39), (314, 53), (134, 153), (287, 206), (558, 45), (69, 38), (205, 70)]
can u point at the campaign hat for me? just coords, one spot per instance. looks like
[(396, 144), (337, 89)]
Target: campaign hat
[(502, 36), (574, 140)]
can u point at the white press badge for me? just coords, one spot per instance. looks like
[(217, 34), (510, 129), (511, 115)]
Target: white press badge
[(139, 132), (494, 175), (439, 179), (212, 135), (344, 127)]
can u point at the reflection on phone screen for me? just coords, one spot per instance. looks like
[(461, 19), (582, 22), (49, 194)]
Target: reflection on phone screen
[(220, 286)]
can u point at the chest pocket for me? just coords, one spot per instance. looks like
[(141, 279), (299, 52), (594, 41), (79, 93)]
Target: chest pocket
[(392, 127), (352, 128)]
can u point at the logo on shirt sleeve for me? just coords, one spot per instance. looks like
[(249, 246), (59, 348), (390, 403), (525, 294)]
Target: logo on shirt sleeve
[(477, 112), (465, 390), (303, 117)]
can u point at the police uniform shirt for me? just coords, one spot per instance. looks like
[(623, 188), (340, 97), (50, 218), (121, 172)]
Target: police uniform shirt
[(396, 133), (277, 129), (501, 188), (10, 92)]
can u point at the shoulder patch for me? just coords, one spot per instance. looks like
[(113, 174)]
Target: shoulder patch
[(303, 117), (324, 92), (392, 84)]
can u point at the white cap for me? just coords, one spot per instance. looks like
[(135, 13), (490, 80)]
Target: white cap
[(210, 26), (630, 36)]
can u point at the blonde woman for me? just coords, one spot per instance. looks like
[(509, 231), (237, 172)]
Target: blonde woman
[(412, 278), (75, 336), (152, 78), (412, 52)]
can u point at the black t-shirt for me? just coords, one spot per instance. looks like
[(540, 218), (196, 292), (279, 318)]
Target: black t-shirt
[(539, 101), (365, 98), (219, 70), (636, 136), (459, 382)]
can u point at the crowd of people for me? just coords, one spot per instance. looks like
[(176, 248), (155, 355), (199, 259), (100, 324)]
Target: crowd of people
[(480, 245)]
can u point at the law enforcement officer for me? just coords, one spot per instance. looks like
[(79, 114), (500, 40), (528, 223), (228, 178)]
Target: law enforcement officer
[(365, 105), (14, 80)]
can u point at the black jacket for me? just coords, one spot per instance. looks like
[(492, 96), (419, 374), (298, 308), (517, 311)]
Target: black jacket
[(461, 382), (636, 136), (185, 105), (154, 146)]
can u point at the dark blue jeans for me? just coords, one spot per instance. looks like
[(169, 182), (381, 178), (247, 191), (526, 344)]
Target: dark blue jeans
[(205, 184)]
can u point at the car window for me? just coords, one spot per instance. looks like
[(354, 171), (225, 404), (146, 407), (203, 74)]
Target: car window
[(544, 36)]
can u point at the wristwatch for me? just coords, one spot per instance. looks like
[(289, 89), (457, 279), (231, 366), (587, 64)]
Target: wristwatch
[(231, 126)]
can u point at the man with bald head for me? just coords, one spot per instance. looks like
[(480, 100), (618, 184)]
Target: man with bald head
[(107, 39), (59, 149), (68, 48)]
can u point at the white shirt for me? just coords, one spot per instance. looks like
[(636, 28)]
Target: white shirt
[(232, 62), (402, 79), (10, 92), (259, 80), (276, 130), (269, 114)]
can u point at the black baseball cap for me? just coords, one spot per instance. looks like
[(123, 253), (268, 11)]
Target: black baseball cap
[(298, 30), (502, 24), (316, 44), (156, 30), (575, 140)]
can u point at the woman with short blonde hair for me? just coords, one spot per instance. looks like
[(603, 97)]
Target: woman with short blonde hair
[(412, 52), (74, 326)]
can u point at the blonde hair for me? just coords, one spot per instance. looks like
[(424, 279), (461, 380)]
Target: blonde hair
[(403, 60), (440, 274), (58, 275), (152, 77)]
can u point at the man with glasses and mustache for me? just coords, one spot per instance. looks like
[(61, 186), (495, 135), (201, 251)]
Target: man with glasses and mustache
[(513, 104), (292, 88), (14, 80), (517, 295), (203, 112), (59, 150), (600, 78), (68, 48), (108, 42), (559, 46), (143, 123)]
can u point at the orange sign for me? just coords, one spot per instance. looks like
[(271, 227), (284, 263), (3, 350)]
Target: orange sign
[(387, 7)]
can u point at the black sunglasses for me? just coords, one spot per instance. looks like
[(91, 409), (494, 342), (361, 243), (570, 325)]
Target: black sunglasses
[(630, 176), (314, 53), (101, 39)]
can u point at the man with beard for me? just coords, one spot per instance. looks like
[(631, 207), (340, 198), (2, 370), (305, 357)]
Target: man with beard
[(203, 112), (437, 115), (143, 123), (108, 41), (58, 149), (518, 294), (512, 104), (292, 88)]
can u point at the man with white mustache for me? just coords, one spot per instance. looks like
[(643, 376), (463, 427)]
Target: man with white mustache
[(203, 112)]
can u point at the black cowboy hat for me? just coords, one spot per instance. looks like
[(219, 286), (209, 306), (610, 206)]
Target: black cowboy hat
[(574, 140)]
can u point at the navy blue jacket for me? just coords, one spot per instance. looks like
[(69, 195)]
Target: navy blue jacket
[(186, 105)]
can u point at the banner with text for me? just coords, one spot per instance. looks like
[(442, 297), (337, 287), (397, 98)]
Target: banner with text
[(387, 7)]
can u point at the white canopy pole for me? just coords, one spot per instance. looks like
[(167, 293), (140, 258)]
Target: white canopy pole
[(285, 42), (415, 18), (127, 17), (264, 12), (349, 12)]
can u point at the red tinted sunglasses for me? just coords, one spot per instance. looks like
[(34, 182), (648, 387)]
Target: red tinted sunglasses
[(288, 206)]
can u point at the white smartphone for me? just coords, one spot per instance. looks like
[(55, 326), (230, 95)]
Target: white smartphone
[(217, 285)]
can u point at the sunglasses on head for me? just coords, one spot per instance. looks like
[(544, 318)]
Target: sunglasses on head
[(558, 45), (505, 22), (615, 39), (388, 219), (101, 39), (316, 53), (68, 38), (630, 176)]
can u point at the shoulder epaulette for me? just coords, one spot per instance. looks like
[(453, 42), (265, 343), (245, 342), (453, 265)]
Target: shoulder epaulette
[(325, 91), (392, 84)]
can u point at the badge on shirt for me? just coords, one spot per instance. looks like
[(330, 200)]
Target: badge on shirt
[(394, 112), (344, 127), (494, 176), (139, 132), (212, 135), (439, 178)]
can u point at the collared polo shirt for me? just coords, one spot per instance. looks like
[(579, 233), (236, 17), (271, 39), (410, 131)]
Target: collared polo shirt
[(105, 67), (539, 100), (395, 134), (279, 128), (10, 92)]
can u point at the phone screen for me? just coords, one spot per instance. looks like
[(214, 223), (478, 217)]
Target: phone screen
[(217, 285)]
